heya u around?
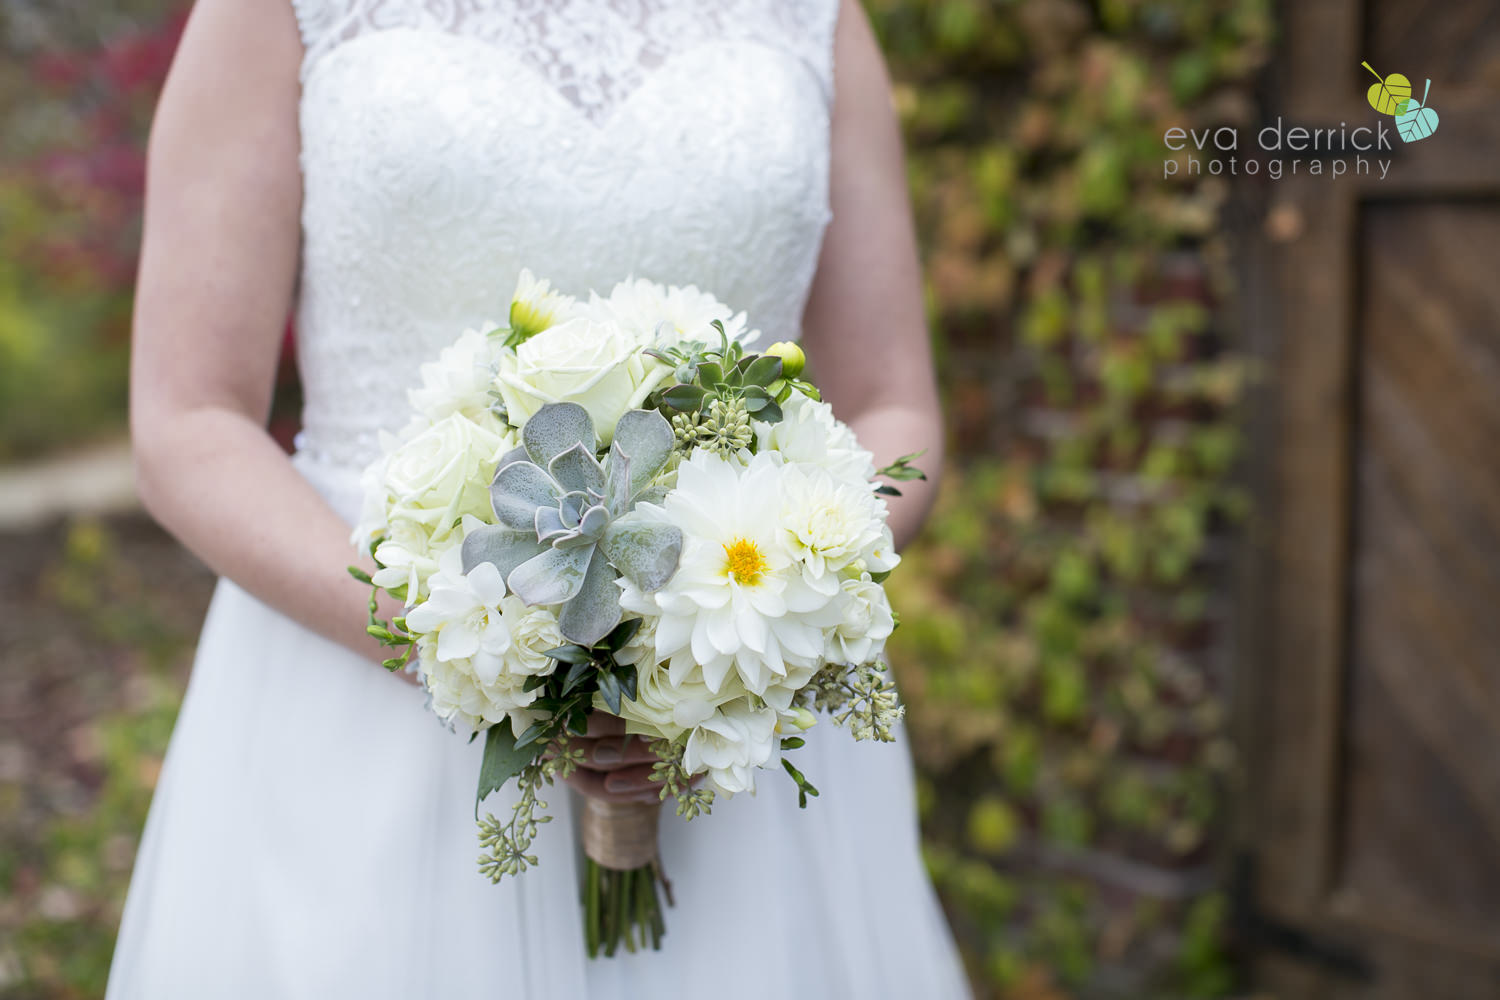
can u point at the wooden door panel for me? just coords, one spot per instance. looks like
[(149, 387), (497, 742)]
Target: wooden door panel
[(1420, 844), (1371, 663)]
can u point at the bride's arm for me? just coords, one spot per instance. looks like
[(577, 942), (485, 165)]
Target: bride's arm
[(864, 328), (218, 270)]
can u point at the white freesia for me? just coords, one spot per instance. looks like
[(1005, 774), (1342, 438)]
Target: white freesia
[(641, 308), (866, 622), (460, 381), (581, 361), (738, 603), (535, 306), (477, 645), (830, 522), (429, 481), (731, 744), (808, 432)]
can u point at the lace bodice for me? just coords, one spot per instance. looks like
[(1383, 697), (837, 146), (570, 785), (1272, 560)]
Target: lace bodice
[(446, 144)]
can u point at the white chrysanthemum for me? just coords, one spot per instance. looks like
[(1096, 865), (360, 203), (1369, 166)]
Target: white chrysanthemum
[(866, 622), (460, 381), (477, 645), (535, 306), (640, 307), (830, 522), (808, 432), (738, 738), (739, 602)]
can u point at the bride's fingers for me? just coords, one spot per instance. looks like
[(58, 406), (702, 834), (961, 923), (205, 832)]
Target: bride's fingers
[(611, 753), (632, 784), (603, 724)]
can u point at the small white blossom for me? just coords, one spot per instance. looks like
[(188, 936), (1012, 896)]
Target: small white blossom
[(477, 645), (731, 744)]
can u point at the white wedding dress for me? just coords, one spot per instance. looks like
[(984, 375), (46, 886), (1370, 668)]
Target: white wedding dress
[(313, 831)]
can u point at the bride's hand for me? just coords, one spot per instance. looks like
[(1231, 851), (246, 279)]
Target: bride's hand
[(615, 767)]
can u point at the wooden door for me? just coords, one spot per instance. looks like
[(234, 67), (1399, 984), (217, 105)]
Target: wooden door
[(1369, 672)]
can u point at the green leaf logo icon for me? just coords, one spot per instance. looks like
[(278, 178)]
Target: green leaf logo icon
[(1418, 121), (1390, 95)]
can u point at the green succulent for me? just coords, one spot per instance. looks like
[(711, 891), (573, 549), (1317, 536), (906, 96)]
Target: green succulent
[(564, 533)]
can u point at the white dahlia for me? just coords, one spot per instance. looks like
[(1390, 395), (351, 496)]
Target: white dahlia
[(830, 522), (460, 381), (641, 307), (739, 602)]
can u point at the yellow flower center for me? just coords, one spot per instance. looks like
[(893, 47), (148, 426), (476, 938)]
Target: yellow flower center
[(744, 561)]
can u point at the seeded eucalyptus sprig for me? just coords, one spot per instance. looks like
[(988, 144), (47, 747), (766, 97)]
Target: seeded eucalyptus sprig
[(677, 783)]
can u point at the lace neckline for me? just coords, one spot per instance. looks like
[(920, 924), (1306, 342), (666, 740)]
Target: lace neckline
[(594, 53)]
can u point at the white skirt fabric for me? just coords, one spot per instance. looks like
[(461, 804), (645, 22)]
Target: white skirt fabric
[(313, 835)]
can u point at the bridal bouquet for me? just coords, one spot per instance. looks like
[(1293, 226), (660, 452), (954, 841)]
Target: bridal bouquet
[(613, 506)]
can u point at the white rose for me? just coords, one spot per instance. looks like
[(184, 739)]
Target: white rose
[(731, 744), (443, 473), (809, 432), (581, 361), (867, 623), (427, 483), (661, 709)]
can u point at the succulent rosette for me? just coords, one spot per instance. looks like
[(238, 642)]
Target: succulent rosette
[(612, 505)]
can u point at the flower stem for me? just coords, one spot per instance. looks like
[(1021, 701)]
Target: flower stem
[(621, 907)]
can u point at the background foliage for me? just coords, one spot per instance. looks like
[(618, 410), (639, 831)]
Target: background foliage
[(1061, 617)]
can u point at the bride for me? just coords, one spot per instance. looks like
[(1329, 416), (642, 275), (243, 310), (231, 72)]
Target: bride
[(386, 168)]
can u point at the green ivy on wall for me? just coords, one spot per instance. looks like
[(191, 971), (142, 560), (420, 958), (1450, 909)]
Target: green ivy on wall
[(1062, 612)]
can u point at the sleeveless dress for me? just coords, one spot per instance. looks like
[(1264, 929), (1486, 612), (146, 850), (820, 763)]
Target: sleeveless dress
[(312, 834)]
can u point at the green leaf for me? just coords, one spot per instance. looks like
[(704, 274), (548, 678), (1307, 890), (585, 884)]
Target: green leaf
[(627, 677), (684, 397), (793, 743), (609, 687), (710, 373), (623, 633), (502, 760), (533, 733), (770, 413), (886, 490), (808, 389), (361, 576), (569, 654), (577, 673), (763, 370)]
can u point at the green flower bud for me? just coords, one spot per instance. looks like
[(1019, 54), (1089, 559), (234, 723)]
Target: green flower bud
[(792, 358)]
